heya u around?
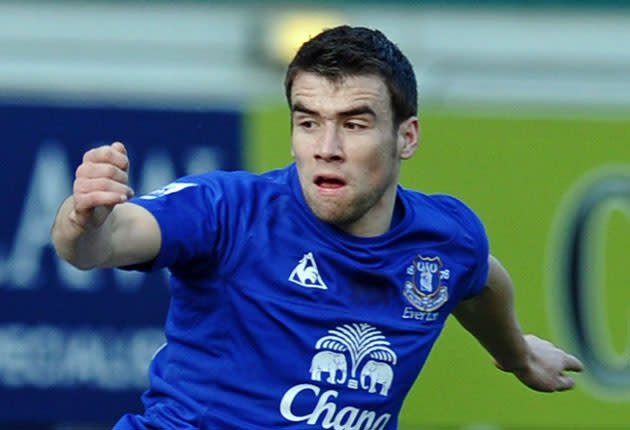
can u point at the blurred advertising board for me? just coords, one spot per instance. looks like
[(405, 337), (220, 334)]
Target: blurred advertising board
[(75, 345)]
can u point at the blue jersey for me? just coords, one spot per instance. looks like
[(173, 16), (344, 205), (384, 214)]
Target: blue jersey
[(281, 321)]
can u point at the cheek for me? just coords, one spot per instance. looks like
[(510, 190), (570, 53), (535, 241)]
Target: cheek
[(373, 171), (298, 149), (380, 168), (301, 145), (379, 159), (301, 156)]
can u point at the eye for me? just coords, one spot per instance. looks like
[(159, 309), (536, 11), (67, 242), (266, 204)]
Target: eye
[(355, 125), (305, 123)]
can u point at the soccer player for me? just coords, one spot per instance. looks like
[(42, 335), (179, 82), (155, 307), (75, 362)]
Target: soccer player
[(310, 296)]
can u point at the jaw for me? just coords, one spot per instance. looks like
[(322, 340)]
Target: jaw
[(331, 204), (362, 214)]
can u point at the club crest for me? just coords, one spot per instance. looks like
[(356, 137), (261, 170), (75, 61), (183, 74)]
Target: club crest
[(425, 290)]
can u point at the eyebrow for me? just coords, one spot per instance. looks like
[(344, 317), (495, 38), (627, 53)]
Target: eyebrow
[(359, 110)]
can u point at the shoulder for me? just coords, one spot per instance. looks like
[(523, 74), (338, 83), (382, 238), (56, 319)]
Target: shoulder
[(440, 204), (445, 214), (217, 191), (246, 194), (272, 178), (453, 224), (233, 184), (456, 208)]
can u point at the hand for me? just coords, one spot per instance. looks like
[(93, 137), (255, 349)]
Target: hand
[(102, 181), (545, 366)]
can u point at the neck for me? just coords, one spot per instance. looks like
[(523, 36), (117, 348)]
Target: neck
[(376, 221)]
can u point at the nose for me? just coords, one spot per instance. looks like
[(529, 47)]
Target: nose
[(329, 146)]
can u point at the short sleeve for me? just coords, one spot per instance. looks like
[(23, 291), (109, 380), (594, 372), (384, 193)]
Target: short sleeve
[(473, 247), (480, 271), (186, 211)]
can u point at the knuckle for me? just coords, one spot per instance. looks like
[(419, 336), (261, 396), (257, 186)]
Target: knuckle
[(87, 155), (82, 169), (124, 178), (102, 184), (122, 163), (90, 200), (82, 202), (101, 153), (77, 185), (107, 154), (110, 171), (92, 154), (79, 204)]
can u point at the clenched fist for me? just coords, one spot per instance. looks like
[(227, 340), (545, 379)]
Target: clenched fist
[(101, 182)]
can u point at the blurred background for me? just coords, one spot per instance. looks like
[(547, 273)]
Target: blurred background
[(525, 115)]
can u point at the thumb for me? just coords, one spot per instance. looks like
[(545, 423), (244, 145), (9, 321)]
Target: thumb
[(118, 146), (94, 217)]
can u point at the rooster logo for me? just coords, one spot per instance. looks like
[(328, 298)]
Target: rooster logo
[(306, 274)]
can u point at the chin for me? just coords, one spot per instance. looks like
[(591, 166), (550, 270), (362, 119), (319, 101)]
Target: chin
[(333, 211), (335, 216)]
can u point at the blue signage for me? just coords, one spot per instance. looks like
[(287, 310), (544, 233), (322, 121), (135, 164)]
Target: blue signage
[(75, 345)]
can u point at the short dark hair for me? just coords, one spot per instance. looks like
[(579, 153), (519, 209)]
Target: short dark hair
[(345, 51)]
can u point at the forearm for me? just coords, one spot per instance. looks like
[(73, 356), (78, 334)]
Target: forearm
[(97, 227), (491, 318), (83, 243)]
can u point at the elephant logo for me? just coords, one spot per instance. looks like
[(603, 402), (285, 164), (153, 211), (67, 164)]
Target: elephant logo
[(378, 373), (345, 349), (331, 363)]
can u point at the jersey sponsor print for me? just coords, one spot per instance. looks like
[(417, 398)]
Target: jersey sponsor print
[(356, 356)]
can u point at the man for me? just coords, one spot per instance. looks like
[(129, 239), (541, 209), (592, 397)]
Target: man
[(306, 297)]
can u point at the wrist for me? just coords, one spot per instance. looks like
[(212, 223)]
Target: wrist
[(518, 360)]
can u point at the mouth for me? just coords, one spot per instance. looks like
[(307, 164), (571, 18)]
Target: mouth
[(329, 182)]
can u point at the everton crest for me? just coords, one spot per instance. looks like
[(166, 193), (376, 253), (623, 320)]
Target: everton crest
[(425, 290)]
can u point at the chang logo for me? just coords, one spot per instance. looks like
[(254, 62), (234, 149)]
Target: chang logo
[(590, 276), (355, 356), (357, 342)]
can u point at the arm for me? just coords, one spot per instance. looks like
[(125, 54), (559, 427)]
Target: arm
[(491, 318), (95, 227)]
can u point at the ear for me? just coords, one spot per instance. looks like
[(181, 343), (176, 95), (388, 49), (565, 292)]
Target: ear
[(408, 137)]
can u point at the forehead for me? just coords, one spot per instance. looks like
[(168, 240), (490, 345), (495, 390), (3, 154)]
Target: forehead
[(319, 92)]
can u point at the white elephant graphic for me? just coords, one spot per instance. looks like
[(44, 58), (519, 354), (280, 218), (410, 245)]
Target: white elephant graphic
[(379, 373), (330, 362)]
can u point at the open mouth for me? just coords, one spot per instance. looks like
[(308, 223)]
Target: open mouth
[(329, 182)]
